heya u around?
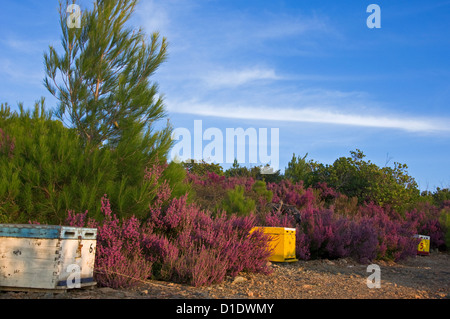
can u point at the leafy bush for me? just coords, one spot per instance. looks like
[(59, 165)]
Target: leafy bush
[(333, 226), (355, 177), (202, 168), (430, 221)]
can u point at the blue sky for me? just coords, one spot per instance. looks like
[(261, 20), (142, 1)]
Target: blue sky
[(312, 69)]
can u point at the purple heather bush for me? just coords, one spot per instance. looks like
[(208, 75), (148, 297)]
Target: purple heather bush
[(119, 258), (367, 233), (426, 218), (178, 242), (185, 242)]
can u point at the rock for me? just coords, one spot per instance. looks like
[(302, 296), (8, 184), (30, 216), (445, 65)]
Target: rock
[(239, 279), (106, 290)]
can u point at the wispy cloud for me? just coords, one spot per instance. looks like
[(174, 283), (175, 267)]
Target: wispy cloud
[(234, 78), (15, 72), (35, 46), (311, 115), (283, 25), (210, 73), (154, 16)]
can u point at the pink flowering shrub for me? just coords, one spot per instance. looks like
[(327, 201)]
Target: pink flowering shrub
[(395, 234), (190, 245), (119, 258), (427, 219), (364, 232), (199, 244), (178, 242)]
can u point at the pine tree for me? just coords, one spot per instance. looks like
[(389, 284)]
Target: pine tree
[(104, 89)]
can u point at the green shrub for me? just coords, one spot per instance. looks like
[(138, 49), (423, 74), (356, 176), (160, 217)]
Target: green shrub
[(355, 177), (236, 203), (259, 187), (445, 223), (50, 170)]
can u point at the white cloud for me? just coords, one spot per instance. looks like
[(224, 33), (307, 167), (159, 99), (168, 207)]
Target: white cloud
[(154, 16), (311, 115), (17, 72), (209, 74), (233, 78), (288, 25), (26, 46)]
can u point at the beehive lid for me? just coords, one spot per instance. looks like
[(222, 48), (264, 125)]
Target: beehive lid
[(46, 231)]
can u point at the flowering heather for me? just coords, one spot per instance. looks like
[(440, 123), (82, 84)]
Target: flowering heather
[(365, 232), (427, 219), (119, 260), (187, 242), (183, 230), (179, 242)]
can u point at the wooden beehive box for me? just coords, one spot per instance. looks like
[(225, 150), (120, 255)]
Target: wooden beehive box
[(282, 243), (46, 257), (424, 245)]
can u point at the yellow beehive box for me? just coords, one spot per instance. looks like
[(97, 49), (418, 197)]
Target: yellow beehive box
[(282, 243), (424, 245)]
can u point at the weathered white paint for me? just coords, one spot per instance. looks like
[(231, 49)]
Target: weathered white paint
[(43, 262)]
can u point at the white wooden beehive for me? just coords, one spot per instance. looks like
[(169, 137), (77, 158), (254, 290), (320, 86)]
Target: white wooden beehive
[(46, 257)]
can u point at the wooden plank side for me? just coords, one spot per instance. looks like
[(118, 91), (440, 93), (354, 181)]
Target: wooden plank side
[(28, 262), (42, 263), (27, 273), (19, 248), (80, 253), (10, 244)]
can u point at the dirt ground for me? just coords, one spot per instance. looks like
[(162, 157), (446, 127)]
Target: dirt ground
[(422, 277)]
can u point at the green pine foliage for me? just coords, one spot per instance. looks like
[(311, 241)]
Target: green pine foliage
[(299, 169), (261, 191), (104, 137), (175, 175), (101, 79), (236, 202), (50, 171)]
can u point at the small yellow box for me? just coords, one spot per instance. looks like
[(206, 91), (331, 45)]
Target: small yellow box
[(282, 243), (424, 245)]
